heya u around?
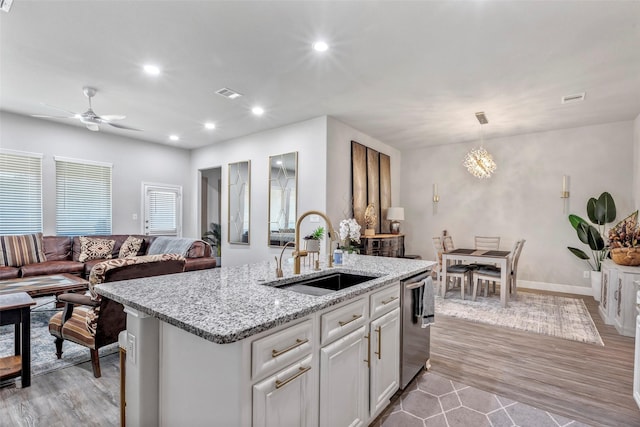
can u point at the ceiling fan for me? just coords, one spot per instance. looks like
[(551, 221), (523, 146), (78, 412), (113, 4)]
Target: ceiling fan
[(89, 117)]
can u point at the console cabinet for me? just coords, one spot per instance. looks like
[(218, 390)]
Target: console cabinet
[(618, 298), (389, 245)]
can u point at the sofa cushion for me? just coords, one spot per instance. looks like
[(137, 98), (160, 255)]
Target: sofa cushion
[(130, 247), (202, 263), (93, 248), (119, 240), (19, 250), (51, 267), (9, 273), (57, 248)]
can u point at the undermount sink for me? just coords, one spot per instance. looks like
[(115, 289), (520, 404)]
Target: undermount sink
[(326, 284)]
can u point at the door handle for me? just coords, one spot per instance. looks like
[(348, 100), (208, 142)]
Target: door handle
[(368, 359), (298, 343), (354, 318), (301, 370), (379, 352)]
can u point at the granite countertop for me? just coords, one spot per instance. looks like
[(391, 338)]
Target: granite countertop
[(228, 304)]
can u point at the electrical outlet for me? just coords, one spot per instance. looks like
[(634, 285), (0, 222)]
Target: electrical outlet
[(131, 348), (134, 216), (585, 274)]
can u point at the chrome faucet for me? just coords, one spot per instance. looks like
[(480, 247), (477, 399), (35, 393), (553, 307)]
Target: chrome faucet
[(279, 261), (298, 253)]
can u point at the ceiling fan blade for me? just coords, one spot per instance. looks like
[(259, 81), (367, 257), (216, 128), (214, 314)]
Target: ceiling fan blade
[(52, 117), (115, 125), (60, 109), (109, 117), (92, 126)]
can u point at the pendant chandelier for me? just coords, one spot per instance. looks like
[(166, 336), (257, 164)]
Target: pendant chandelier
[(478, 161)]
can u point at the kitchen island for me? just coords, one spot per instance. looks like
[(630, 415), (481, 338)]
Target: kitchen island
[(204, 347)]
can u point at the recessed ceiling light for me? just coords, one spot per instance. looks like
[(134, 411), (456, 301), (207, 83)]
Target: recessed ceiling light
[(210, 125), (258, 111), (152, 70), (228, 93), (174, 137), (320, 46)]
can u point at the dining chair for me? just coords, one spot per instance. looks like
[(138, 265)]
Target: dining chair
[(487, 243), (491, 273), (458, 272)]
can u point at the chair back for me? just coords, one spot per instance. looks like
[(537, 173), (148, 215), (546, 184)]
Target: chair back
[(447, 243), (517, 250), (487, 243)]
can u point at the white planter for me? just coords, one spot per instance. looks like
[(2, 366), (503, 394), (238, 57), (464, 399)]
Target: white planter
[(313, 245), (596, 284)]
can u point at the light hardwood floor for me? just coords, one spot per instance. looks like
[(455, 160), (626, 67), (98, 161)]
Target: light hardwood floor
[(585, 382)]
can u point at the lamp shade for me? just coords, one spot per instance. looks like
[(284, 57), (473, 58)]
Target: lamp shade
[(395, 214)]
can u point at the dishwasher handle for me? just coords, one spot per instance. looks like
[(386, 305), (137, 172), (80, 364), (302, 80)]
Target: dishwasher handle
[(416, 281)]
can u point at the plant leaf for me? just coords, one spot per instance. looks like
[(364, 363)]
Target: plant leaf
[(595, 241), (605, 209), (592, 211), (575, 220), (583, 232), (578, 252)]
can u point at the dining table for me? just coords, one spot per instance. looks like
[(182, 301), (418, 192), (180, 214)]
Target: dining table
[(481, 256)]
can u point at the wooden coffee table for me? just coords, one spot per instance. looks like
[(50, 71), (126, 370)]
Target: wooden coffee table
[(38, 286)]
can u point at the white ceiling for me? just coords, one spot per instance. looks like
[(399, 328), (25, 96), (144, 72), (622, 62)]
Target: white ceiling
[(410, 74)]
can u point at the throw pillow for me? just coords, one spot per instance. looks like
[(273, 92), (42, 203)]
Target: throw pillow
[(91, 248), (130, 247), (19, 250)]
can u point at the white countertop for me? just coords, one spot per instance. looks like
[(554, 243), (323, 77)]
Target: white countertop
[(228, 304)]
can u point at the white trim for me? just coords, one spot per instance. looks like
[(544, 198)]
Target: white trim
[(82, 161), (555, 287), (21, 153)]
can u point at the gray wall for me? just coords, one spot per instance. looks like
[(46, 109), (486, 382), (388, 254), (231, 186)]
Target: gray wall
[(134, 161), (522, 199)]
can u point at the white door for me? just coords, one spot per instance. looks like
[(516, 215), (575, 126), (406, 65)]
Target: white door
[(343, 381), (385, 360), (285, 399), (162, 210)]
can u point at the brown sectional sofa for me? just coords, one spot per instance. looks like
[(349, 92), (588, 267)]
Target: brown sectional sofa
[(62, 254)]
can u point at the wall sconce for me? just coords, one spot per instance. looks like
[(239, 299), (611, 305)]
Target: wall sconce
[(565, 193), (435, 198)]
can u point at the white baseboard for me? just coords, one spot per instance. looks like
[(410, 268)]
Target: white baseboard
[(555, 287)]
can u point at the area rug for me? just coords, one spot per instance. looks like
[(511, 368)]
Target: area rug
[(551, 315), (43, 349)]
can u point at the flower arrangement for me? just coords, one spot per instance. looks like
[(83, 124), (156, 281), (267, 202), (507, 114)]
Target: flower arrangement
[(624, 241), (350, 235)]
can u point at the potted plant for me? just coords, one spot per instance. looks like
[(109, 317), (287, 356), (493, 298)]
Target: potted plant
[(624, 241), (214, 238), (600, 211), (313, 239)]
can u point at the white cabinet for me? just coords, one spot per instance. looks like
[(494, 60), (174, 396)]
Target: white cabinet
[(285, 399), (618, 299), (385, 360), (636, 365), (344, 382)]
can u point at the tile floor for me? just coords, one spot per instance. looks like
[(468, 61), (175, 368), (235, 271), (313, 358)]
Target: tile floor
[(434, 401)]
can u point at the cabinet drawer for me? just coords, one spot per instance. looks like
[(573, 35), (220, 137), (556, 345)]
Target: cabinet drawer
[(385, 300), (282, 348), (343, 320)]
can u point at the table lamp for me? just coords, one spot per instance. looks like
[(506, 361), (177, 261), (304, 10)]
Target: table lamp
[(394, 215)]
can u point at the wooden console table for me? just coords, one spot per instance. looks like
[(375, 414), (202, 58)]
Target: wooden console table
[(15, 309), (389, 245)]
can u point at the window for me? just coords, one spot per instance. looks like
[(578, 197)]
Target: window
[(83, 197), (162, 210), (20, 192)]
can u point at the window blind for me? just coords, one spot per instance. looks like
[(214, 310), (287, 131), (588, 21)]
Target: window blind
[(83, 198), (162, 213), (20, 193)]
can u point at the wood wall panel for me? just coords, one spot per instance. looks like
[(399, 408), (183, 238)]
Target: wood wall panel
[(385, 192), (359, 181), (373, 183)]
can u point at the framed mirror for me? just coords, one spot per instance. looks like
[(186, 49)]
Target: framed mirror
[(283, 198), (239, 202)]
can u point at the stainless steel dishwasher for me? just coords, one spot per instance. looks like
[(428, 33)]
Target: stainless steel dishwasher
[(414, 339)]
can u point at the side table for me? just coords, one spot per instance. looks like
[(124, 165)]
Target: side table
[(15, 309)]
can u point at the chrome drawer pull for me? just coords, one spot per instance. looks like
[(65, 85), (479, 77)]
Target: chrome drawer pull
[(355, 317), (299, 342), (301, 371), (389, 300)]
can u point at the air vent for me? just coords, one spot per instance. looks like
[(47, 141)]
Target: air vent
[(5, 5), (482, 118), (228, 93), (576, 97)]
